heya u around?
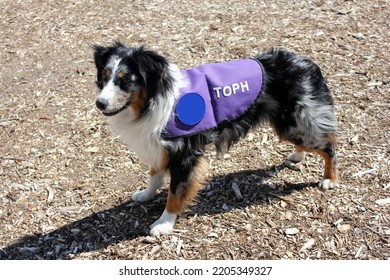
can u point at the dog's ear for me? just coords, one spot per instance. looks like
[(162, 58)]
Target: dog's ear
[(153, 69), (101, 56)]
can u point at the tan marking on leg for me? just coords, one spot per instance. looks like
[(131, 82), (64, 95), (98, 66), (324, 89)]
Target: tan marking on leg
[(330, 167), (152, 172), (185, 193), (164, 160), (175, 203), (330, 170)]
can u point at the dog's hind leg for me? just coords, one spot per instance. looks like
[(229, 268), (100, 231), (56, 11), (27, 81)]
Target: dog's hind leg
[(311, 127), (185, 183), (330, 166), (328, 153)]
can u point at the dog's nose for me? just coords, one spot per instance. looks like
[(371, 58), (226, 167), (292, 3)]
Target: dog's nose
[(101, 103)]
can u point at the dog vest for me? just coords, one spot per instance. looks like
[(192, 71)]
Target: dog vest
[(217, 92)]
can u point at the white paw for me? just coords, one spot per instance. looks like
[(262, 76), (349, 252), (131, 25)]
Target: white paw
[(164, 225), (143, 196), (296, 157), (328, 184)]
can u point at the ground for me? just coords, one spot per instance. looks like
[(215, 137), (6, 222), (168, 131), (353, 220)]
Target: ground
[(66, 180)]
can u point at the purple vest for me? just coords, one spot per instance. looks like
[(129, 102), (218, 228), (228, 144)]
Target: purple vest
[(217, 92)]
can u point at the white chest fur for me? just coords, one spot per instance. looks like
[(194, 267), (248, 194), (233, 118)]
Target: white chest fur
[(139, 136)]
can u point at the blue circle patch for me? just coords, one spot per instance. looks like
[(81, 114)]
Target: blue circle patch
[(191, 108)]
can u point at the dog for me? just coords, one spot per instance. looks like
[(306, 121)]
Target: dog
[(140, 93)]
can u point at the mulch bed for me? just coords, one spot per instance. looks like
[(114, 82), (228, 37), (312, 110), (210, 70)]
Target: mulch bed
[(66, 181)]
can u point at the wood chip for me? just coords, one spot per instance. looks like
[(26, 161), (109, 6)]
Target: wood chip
[(291, 231), (50, 194), (383, 201), (71, 209), (264, 139), (359, 251), (354, 139), (366, 171), (331, 247), (236, 191), (179, 246), (359, 36), (343, 228), (150, 240), (271, 223), (338, 222), (308, 245), (288, 215), (248, 227), (212, 234), (92, 150), (154, 250), (75, 231)]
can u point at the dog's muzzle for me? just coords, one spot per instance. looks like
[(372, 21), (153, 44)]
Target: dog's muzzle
[(102, 104)]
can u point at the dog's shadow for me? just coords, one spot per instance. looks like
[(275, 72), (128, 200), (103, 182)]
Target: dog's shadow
[(131, 219)]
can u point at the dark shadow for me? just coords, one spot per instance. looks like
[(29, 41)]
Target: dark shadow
[(131, 219)]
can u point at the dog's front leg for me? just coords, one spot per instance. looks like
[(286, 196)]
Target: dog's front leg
[(186, 179), (165, 224), (156, 181)]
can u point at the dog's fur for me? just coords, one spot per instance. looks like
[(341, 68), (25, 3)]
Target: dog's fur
[(138, 89)]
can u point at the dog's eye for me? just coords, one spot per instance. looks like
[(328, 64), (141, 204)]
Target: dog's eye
[(126, 80)]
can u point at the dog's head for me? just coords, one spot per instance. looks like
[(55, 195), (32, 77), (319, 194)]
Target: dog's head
[(129, 78)]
